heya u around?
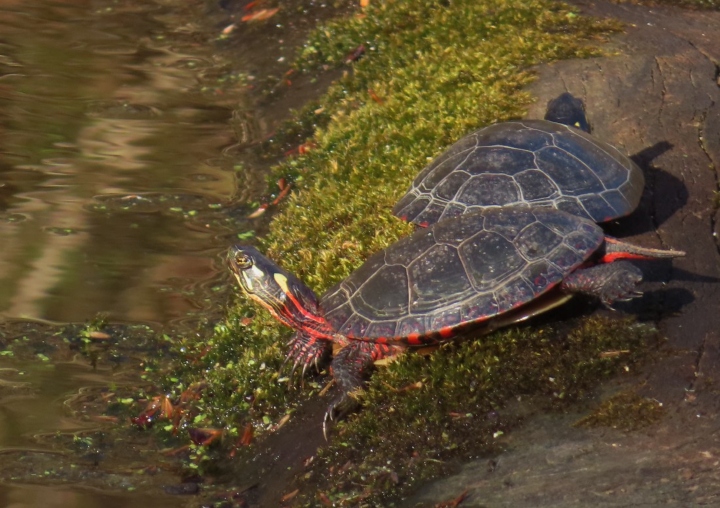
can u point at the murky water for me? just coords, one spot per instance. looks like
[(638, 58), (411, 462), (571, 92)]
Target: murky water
[(113, 126), (126, 169), (34, 496), (35, 400)]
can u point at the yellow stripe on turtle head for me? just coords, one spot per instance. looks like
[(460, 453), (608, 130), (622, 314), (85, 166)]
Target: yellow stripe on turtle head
[(244, 281), (282, 282), (237, 278)]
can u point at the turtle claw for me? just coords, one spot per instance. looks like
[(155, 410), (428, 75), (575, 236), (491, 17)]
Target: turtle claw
[(340, 406), (332, 415), (626, 297), (327, 417), (305, 351), (291, 374)]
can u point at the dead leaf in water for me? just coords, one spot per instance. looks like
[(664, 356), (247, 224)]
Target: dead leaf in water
[(105, 418), (98, 335), (282, 422), (289, 495), (260, 15), (204, 436), (247, 436), (453, 503), (284, 192), (257, 213)]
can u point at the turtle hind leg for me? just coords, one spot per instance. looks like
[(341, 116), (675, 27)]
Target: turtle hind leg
[(350, 368), (611, 282), (306, 350)]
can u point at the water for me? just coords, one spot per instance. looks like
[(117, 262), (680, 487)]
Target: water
[(34, 496), (127, 166), (36, 417), (113, 126)]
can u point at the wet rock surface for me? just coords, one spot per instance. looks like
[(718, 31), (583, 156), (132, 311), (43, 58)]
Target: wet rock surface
[(657, 98)]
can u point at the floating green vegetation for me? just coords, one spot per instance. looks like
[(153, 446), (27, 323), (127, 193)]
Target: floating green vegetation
[(624, 411), (427, 411), (428, 72)]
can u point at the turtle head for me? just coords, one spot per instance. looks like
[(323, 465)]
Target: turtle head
[(280, 292), (568, 110)]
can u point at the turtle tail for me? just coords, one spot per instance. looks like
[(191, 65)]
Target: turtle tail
[(616, 249)]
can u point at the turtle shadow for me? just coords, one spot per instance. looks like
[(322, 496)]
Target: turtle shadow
[(652, 305), (645, 156), (658, 303), (660, 274), (664, 194)]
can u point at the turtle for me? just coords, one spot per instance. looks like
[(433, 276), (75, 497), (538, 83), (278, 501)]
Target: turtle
[(553, 162), (568, 110), (473, 273)]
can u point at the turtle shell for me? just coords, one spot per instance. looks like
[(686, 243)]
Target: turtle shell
[(527, 163), (459, 272)]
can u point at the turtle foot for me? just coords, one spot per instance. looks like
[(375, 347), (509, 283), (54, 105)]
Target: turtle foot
[(612, 282), (350, 368), (338, 409), (306, 350)]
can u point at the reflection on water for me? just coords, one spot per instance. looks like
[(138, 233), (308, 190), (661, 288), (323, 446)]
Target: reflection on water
[(34, 496), (123, 157), (32, 399), (42, 421), (99, 99)]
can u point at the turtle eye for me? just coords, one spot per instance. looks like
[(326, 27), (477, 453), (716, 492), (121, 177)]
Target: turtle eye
[(243, 261)]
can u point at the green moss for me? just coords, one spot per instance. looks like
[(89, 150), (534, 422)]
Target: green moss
[(431, 73), (427, 411), (624, 411)]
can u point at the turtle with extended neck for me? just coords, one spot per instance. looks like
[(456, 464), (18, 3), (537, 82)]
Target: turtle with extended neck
[(476, 272)]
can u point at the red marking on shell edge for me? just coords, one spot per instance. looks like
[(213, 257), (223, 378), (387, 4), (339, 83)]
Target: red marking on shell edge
[(447, 332), (424, 224), (414, 339), (614, 256)]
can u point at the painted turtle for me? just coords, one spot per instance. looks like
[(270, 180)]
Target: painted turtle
[(539, 163), (476, 272)]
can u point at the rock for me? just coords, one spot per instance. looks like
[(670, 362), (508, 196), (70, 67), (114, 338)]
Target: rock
[(658, 98)]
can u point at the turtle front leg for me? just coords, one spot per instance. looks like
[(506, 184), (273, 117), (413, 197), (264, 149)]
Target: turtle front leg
[(306, 350), (350, 368), (611, 282)]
